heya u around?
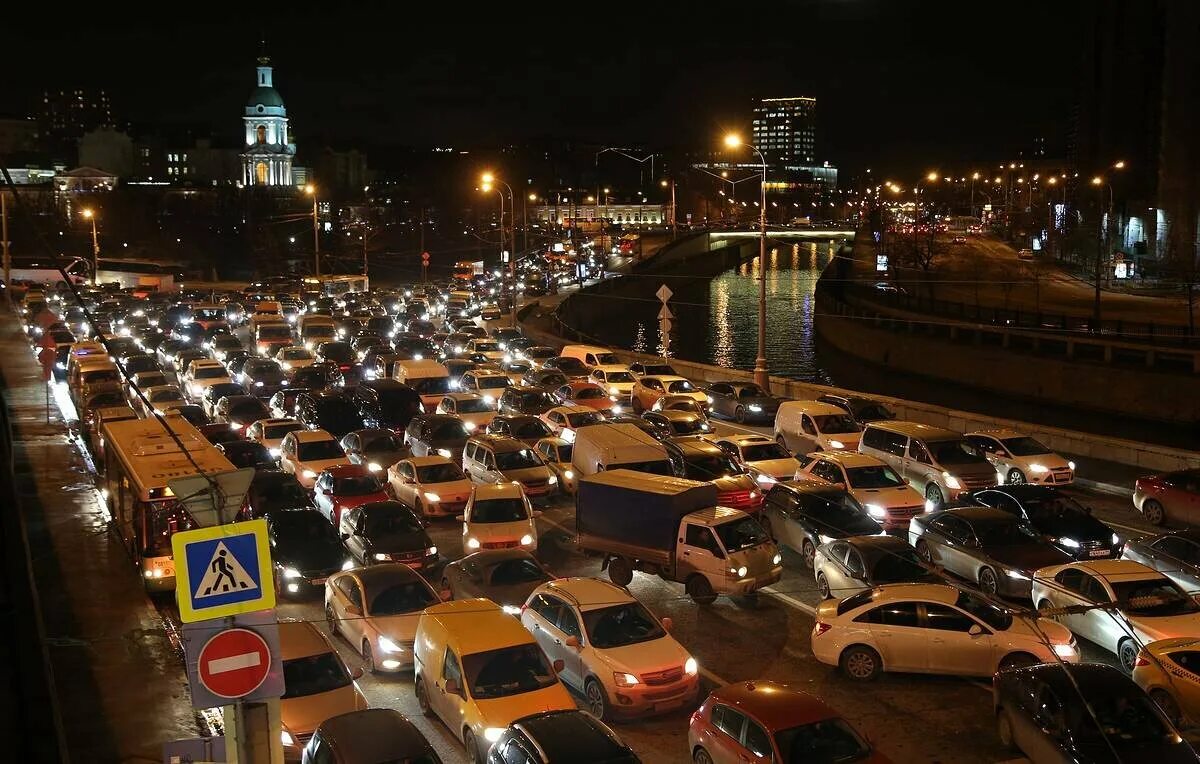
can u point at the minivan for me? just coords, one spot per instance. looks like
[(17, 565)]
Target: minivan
[(939, 463), (500, 459), (591, 355), (429, 378), (807, 426)]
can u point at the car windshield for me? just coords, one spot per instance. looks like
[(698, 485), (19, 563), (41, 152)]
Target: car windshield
[(508, 671), (210, 372), (1127, 721), (1024, 446), (955, 452), (874, 476), (491, 383), (570, 365), (897, 566), (313, 674), (741, 534), (274, 332), (873, 412), (158, 396), (583, 418), (284, 492), (304, 526), (680, 386), (277, 431), (429, 385), (835, 424), (531, 428), (337, 351), (1004, 532), (985, 611), (386, 519), (440, 473), (621, 625), (615, 377), (531, 400), (829, 740), (752, 391), (1055, 505), (248, 411), (318, 450), (589, 393), (651, 370), (688, 427), (519, 571), (832, 508), (564, 452), (382, 444), (448, 429), (472, 406), (295, 354), (1153, 598), (356, 485), (407, 597), (517, 460), (706, 467), (499, 511), (486, 346)]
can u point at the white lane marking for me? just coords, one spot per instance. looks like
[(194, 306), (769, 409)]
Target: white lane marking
[(787, 599), (981, 685), (710, 676), (234, 662), (1133, 528)]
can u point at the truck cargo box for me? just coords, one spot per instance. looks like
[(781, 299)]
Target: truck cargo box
[(635, 508)]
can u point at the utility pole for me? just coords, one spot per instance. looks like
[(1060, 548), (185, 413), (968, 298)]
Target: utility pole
[(4, 240)]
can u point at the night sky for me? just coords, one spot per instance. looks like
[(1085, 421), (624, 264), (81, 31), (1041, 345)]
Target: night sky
[(899, 84)]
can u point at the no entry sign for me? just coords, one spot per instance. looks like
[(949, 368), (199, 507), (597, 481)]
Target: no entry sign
[(233, 663)]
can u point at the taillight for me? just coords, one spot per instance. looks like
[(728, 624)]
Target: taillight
[(820, 629), (1142, 659)]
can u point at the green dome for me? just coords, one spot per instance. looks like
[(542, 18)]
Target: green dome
[(266, 96)]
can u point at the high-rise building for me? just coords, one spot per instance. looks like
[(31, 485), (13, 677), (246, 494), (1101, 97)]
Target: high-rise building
[(268, 152), (785, 130), (69, 113)]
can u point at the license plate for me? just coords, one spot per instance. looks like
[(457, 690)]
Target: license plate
[(1099, 553), (318, 581), (667, 705)]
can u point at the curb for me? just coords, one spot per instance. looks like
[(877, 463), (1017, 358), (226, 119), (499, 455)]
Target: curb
[(1108, 488)]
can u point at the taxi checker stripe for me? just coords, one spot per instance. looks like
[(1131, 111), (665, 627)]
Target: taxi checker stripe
[(234, 662)]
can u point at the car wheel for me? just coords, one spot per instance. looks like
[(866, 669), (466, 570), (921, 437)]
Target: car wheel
[(1015, 477), (1018, 661), (987, 581), (1004, 730), (933, 494), (923, 551), (331, 621), (1153, 512), (368, 657), (1168, 705), (597, 702), (860, 663), (823, 587), (809, 553), (422, 698), (472, 748), (701, 757), (1127, 651), (740, 414), (619, 571), (700, 590)]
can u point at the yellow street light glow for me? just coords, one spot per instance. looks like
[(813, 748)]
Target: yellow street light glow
[(486, 187), (488, 177), (997, 180), (1052, 180), (310, 189), (591, 199), (974, 176), (533, 197), (1020, 180), (662, 183), (1097, 180), (1119, 164), (732, 140), (932, 177), (87, 213), (606, 190)]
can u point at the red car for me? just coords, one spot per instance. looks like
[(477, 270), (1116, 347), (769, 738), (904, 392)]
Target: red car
[(345, 487), (587, 394), (1174, 495), (763, 720)]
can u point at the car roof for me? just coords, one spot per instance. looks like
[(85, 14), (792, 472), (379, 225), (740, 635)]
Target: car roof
[(691, 444), (588, 593), (665, 377), (573, 410), (425, 461), (572, 735), (744, 439), (943, 593), (310, 436), (1117, 570), (773, 704), (1000, 433), (276, 420), (383, 575), (488, 491), (607, 367), (916, 430), (716, 514), (463, 396), (1082, 679), (477, 625), (299, 639), (497, 442), (848, 458), (818, 408)]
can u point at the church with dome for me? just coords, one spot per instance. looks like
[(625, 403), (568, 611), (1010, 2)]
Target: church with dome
[(267, 154)]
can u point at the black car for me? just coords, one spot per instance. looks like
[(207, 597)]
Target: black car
[(433, 434), (319, 376), (139, 362), (413, 347), (214, 393), (193, 414), (273, 490), (387, 531), (551, 379), (240, 411), (263, 377), (523, 427), (670, 423), (522, 399), (341, 353), (742, 401), (1065, 522), (550, 737), (329, 410), (387, 403), (639, 423), (305, 550), (862, 410), (244, 453), (1083, 713), (235, 361), (802, 516)]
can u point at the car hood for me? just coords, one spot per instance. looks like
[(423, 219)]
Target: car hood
[(849, 440), (302, 715), (1078, 527), (650, 656), (478, 418), (1049, 461), (768, 403), (528, 474), (507, 594), (735, 483), (308, 556), (899, 496), (501, 712), (398, 628), (780, 469), (347, 502), (847, 523), (455, 489), (384, 459), (393, 543), (502, 531), (1027, 557), (320, 465), (1153, 629)]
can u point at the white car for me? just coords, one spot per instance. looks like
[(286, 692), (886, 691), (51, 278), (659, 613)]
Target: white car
[(498, 516), (767, 461), (308, 453), (201, 375), (885, 495), (161, 398), (565, 421), (1021, 459), (376, 610), (615, 653), (475, 412), (616, 379), (1141, 603), (271, 432), (294, 357), (488, 348), (431, 486), (932, 629), (556, 452)]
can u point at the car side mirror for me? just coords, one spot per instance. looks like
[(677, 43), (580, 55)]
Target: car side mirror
[(453, 688), (461, 518), (344, 536), (572, 642), (446, 595), (354, 610), (976, 630), (559, 665), (357, 673), (667, 623)]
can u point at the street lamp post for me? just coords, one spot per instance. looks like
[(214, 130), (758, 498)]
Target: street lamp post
[(761, 375), (488, 179), (311, 190), (674, 225), (91, 215)]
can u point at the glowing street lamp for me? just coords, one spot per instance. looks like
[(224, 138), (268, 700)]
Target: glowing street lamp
[(311, 190), (761, 375), (89, 214)]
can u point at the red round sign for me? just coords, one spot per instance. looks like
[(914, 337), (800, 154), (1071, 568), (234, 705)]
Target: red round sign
[(234, 663)]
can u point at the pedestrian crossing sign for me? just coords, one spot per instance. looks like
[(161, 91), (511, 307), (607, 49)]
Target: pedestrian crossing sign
[(222, 571)]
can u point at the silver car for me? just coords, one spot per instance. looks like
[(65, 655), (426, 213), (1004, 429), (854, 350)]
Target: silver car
[(851, 565), (1175, 554)]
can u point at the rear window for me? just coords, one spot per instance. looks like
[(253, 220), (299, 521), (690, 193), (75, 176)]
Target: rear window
[(854, 601), (885, 440)]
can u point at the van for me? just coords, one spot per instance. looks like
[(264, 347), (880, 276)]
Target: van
[(602, 447), (478, 670), (313, 319), (313, 333), (939, 463), (591, 355), (806, 426), (89, 370), (268, 308), (429, 378), (270, 336)]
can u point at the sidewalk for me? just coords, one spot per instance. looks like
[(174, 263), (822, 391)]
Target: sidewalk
[(120, 684)]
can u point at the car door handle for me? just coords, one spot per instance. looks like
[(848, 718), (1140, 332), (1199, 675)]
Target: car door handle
[(687, 553)]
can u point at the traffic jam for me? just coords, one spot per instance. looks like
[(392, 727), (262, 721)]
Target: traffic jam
[(499, 534)]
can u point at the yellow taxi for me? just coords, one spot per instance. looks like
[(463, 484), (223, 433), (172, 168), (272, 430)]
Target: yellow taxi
[(478, 670), (1169, 671), (318, 685)]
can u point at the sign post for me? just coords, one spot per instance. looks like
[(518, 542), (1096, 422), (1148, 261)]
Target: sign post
[(665, 318), (424, 267)]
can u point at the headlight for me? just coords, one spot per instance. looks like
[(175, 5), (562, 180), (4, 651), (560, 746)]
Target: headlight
[(388, 646), (472, 543), (291, 573), (1017, 575), (553, 480), (258, 384), (690, 667), (951, 481), (489, 400), (286, 738), (431, 496), (381, 557), (823, 538), (836, 444), (758, 410), (431, 551), (929, 506), (510, 610), (1069, 543), (444, 452), (778, 558), (704, 427), (309, 474), (235, 425), (709, 398), (876, 511), (469, 426), (492, 734), (1071, 465), (623, 679), (1064, 651), (740, 572), (765, 479), (1038, 468), (526, 540), (616, 409), (1116, 539), (348, 564), (568, 474)]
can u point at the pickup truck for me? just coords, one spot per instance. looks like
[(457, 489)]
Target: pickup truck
[(673, 528)]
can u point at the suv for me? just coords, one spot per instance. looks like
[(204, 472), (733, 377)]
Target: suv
[(521, 399), (698, 459), (499, 459), (939, 463), (441, 434), (881, 492), (328, 410), (262, 377), (591, 625)]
